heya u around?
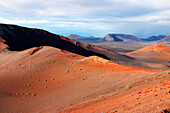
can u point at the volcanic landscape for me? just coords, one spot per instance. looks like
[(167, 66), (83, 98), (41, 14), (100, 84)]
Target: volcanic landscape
[(41, 72)]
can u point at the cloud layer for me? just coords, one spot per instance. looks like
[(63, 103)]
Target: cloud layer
[(142, 18)]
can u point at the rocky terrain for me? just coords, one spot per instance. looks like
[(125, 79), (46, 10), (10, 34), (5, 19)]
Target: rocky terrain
[(41, 72)]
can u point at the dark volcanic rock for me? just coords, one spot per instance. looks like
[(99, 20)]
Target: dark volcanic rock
[(20, 38)]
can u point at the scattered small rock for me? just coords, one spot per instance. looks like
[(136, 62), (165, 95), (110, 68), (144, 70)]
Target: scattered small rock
[(155, 95), (138, 98), (139, 92)]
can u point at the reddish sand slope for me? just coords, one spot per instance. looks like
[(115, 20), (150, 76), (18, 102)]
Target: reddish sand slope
[(2, 45), (50, 80), (155, 52), (151, 96)]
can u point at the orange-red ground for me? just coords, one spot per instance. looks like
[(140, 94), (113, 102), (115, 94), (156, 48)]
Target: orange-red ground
[(50, 80)]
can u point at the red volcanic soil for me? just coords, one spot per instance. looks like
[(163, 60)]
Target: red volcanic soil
[(157, 52), (50, 80), (151, 96), (2, 45)]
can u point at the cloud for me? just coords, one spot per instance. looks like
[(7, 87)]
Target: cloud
[(123, 16), (49, 12), (16, 21), (163, 22)]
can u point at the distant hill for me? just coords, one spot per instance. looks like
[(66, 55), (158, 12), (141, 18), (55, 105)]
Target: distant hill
[(74, 36), (92, 37), (165, 40), (83, 39), (120, 38), (159, 52), (155, 38)]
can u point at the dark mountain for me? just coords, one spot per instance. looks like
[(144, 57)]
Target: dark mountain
[(20, 38), (155, 38), (120, 38)]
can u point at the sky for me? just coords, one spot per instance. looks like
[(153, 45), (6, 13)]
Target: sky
[(141, 18)]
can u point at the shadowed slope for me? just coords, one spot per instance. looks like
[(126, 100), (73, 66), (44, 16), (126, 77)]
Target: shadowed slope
[(20, 38)]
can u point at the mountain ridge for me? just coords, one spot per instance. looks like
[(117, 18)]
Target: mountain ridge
[(19, 38), (155, 38), (120, 38)]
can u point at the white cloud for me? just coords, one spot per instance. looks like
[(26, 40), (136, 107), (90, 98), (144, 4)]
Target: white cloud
[(112, 15), (163, 22), (161, 4), (16, 21), (49, 12)]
